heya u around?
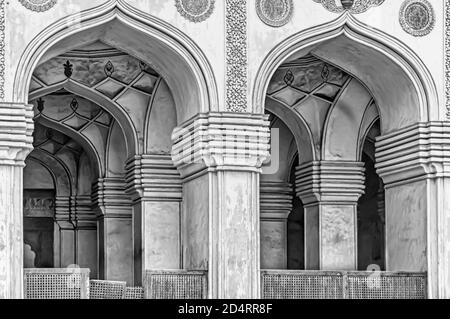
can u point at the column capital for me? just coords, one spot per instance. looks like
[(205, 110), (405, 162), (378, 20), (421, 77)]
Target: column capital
[(330, 181), (110, 193), (221, 141), (153, 177), (417, 152), (16, 133), (275, 199)]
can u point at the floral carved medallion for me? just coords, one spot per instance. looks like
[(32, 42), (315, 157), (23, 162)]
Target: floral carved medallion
[(352, 6), (38, 5), (417, 17), (275, 13), (195, 10)]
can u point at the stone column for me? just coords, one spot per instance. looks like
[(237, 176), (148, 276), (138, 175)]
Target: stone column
[(16, 127), (276, 205), (86, 235), (115, 239), (220, 156), (64, 236), (330, 193), (154, 185), (414, 164)]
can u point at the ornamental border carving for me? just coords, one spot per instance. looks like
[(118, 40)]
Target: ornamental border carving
[(2, 49), (447, 56), (46, 5), (404, 21), (196, 18), (236, 55)]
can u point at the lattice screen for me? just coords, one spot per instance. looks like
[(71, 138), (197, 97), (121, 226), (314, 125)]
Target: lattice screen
[(134, 293), (102, 289), (176, 285), (316, 285), (387, 286), (56, 283), (342, 285)]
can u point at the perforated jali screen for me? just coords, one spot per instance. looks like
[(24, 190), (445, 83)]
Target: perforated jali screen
[(102, 289), (56, 283), (176, 285), (342, 285), (134, 293)]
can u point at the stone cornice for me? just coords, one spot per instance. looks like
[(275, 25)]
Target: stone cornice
[(417, 152), (153, 177), (221, 141), (330, 181), (16, 133)]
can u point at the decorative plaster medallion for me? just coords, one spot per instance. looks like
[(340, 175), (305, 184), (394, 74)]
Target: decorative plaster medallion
[(355, 6), (38, 5), (195, 10), (275, 13), (417, 17)]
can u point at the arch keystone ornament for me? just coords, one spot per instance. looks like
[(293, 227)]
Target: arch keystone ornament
[(275, 13), (38, 5), (195, 10), (352, 6), (417, 17)]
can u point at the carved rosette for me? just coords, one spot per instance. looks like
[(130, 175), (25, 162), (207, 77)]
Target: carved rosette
[(38, 5), (195, 10), (358, 6), (275, 13), (417, 17)]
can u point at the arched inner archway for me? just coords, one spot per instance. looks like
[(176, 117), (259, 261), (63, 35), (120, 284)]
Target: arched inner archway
[(329, 86), (118, 87)]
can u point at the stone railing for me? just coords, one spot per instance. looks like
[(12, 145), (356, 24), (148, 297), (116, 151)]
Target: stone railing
[(342, 285)]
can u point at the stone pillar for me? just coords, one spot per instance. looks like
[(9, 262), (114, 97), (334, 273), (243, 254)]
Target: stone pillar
[(155, 188), (414, 164), (115, 242), (276, 205), (16, 127), (220, 156), (64, 236), (86, 235), (330, 193)]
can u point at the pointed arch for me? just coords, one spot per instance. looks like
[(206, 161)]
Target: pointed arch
[(347, 36), (178, 59)]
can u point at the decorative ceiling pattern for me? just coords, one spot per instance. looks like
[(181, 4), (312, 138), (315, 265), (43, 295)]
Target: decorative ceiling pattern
[(118, 77), (54, 142), (352, 6), (307, 79), (315, 90)]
